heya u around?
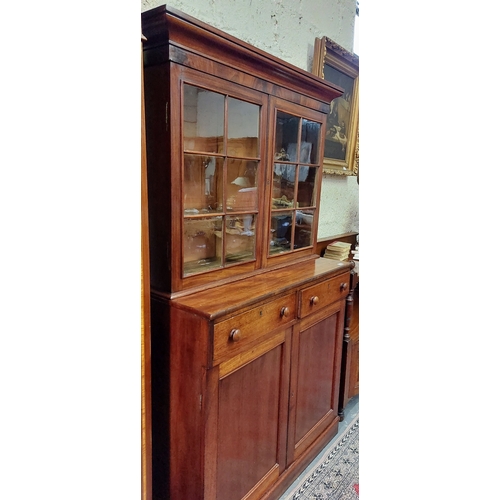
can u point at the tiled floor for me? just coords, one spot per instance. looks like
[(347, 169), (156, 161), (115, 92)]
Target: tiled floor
[(350, 413)]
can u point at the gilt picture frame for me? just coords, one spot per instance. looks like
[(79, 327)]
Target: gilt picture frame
[(341, 67)]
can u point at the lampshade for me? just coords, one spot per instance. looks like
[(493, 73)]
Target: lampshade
[(242, 182)]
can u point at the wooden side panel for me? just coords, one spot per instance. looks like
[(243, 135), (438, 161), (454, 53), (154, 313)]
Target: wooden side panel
[(146, 475), (156, 98), (250, 422), (179, 352), (159, 399)]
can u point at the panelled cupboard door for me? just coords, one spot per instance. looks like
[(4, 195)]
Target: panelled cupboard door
[(316, 360), (251, 422)]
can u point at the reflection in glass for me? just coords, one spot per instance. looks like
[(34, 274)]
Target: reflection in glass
[(303, 228), (281, 232), (241, 189), (202, 184), (203, 120), (306, 195), (309, 141), (201, 251), (283, 185), (287, 133), (242, 128), (240, 238)]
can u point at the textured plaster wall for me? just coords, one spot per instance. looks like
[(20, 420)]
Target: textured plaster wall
[(287, 29), (339, 206)]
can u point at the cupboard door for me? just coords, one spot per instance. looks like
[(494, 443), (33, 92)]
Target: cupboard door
[(252, 417), (315, 380)]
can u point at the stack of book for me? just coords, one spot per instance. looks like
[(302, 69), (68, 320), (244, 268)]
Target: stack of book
[(338, 250)]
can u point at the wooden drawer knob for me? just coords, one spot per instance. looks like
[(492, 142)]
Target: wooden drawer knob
[(343, 286), (235, 335), (285, 312), (314, 300)]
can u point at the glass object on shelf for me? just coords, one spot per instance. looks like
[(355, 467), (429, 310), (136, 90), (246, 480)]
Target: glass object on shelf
[(242, 128), (201, 252), (203, 120), (287, 133), (310, 136), (240, 238), (281, 232), (241, 189), (202, 184), (304, 220), (306, 190), (283, 186)]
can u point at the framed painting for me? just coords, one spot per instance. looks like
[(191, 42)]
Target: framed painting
[(341, 67)]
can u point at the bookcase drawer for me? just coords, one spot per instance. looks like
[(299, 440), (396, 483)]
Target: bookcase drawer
[(327, 292), (235, 334)]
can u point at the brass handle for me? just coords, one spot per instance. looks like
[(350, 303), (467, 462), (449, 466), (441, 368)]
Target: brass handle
[(314, 300), (343, 286), (235, 335), (285, 312)]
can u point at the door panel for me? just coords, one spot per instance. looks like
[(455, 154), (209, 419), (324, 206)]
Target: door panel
[(249, 425), (315, 375)]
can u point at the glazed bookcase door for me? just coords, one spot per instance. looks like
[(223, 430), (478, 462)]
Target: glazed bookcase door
[(221, 179), (294, 180)]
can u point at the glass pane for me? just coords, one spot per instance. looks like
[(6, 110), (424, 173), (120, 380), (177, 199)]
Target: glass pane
[(309, 141), (201, 251), (306, 193), (202, 184), (281, 232), (287, 132), (241, 185), (203, 120), (242, 128), (240, 238), (303, 228), (283, 185)]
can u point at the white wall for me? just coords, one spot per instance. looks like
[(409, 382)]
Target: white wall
[(287, 29)]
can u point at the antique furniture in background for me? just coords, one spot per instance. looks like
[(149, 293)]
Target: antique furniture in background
[(349, 376), (349, 379), (247, 320)]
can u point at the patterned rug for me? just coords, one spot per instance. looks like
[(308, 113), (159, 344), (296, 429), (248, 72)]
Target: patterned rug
[(336, 477)]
